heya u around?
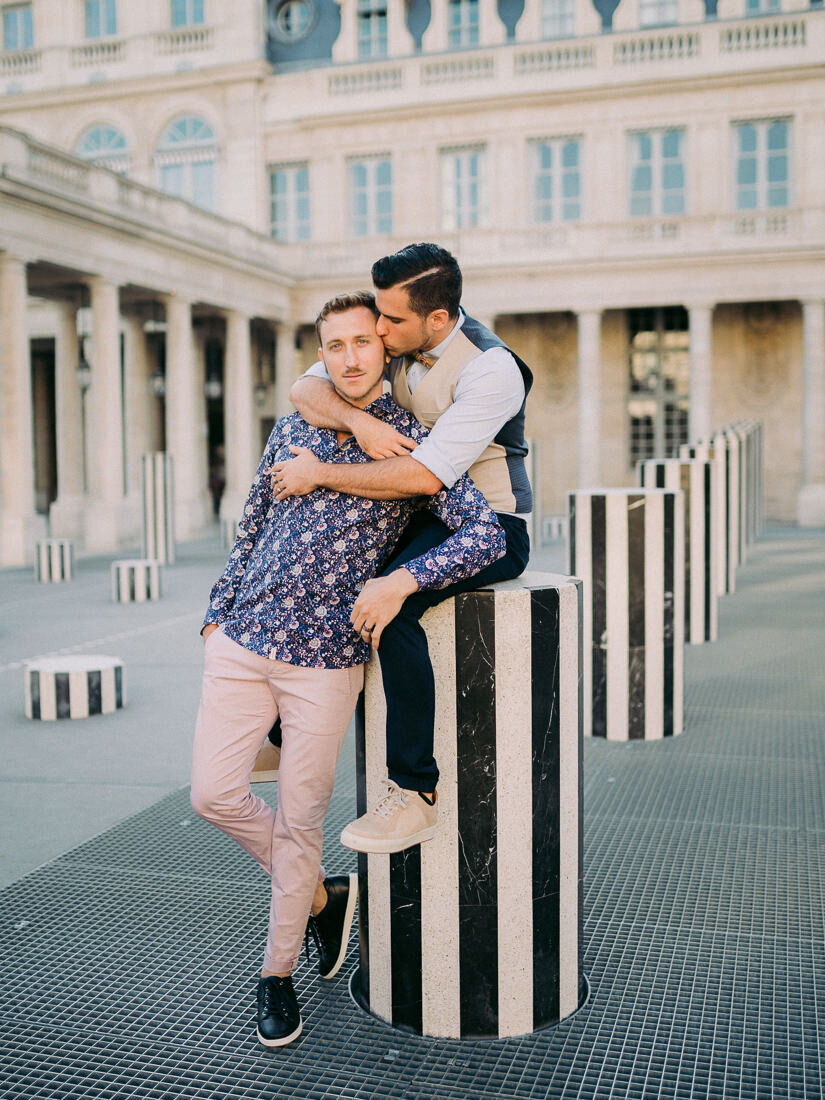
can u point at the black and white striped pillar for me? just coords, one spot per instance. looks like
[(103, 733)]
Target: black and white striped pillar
[(135, 580), (157, 481), (750, 431), (716, 456), (73, 686), (728, 445), (628, 547), (478, 932), (695, 478), (53, 561)]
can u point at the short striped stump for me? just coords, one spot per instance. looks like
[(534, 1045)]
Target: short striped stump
[(53, 561), (702, 538), (478, 932), (75, 686), (135, 580), (157, 486), (628, 547)]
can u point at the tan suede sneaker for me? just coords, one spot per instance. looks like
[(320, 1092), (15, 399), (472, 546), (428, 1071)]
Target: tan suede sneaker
[(399, 820), (266, 766)]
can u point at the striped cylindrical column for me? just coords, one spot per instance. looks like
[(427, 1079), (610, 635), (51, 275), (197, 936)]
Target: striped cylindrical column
[(135, 580), (158, 512), (628, 547), (716, 456), (702, 538), (750, 431), (74, 686), (477, 932), (728, 446), (53, 560)]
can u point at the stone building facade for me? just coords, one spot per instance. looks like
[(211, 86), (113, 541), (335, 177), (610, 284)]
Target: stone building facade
[(634, 191)]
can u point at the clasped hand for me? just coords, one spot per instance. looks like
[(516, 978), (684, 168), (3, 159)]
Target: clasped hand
[(379, 602)]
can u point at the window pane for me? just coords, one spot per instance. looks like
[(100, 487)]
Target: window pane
[(671, 141), (171, 179), (777, 169), (747, 138), (642, 178), (570, 185), (203, 184), (570, 154), (673, 177), (673, 203), (746, 171), (778, 135), (746, 200)]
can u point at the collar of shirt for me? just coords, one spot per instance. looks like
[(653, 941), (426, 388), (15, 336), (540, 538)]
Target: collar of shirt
[(416, 371)]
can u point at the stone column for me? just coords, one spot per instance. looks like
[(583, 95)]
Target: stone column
[(434, 39), (284, 367), (104, 421), (590, 398), (345, 46), (66, 514), (491, 30), (16, 436), (701, 371), (399, 39), (810, 507), (240, 422), (185, 419)]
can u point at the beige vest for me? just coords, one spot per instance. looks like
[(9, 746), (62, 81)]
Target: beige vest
[(433, 396)]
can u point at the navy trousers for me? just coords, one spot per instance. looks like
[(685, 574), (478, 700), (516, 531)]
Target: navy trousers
[(409, 685), (406, 669)]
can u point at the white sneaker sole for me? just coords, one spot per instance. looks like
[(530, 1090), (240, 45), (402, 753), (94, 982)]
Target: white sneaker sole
[(271, 1044), (352, 898), (381, 846)]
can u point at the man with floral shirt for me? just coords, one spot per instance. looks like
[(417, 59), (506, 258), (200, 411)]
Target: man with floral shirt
[(281, 640)]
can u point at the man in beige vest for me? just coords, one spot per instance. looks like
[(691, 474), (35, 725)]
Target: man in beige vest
[(463, 384)]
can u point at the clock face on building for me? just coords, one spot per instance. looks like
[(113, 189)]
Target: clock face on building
[(289, 21)]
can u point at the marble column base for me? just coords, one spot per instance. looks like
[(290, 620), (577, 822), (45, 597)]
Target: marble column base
[(478, 932)]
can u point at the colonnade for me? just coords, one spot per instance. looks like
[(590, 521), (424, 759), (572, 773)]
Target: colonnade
[(811, 498), (102, 430)]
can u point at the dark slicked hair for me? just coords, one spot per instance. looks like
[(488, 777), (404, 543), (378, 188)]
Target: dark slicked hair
[(343, 303), (430, 275)]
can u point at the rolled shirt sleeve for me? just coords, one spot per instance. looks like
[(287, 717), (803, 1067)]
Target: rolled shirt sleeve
[(489, 392)]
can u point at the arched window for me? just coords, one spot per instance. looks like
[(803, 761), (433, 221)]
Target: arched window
[(106, 146), (187, 158)]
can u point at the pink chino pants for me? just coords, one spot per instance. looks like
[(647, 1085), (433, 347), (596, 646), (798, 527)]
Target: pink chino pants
[(242, 694)]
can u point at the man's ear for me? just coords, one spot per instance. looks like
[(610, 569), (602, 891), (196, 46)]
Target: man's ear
[(439, 318), (321, 355)]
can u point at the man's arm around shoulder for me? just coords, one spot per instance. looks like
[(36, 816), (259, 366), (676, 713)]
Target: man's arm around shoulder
[(316, 400)]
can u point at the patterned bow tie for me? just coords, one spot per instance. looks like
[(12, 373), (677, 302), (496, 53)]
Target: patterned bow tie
[(421, 357)]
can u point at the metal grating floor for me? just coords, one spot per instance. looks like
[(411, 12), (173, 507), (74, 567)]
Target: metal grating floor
[(128, 965)]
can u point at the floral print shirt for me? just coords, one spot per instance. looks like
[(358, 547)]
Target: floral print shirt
[(297, 565)]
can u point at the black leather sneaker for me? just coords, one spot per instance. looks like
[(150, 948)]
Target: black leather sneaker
[(279, 1018), (330, 928)]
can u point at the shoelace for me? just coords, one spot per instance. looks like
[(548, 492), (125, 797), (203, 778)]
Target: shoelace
[(313, 928), (275, 1001), (393, 800)]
